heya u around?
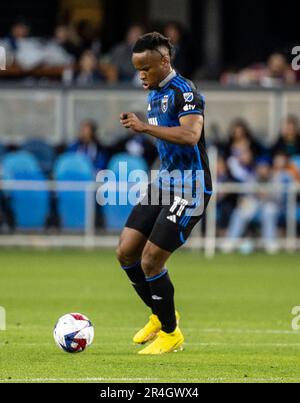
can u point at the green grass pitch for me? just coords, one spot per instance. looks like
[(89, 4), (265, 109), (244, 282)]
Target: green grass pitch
[(236, 317)]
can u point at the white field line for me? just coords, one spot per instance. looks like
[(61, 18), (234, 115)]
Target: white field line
[(199, 380)]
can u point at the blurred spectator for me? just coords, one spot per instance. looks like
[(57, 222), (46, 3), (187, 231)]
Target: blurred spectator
[(26, 51), (225, 202), (285, 171), (183, 60), (240, 137), (89, 70), (67, 37), (120, 57), (262, 207), (59, 50), (277, 71), (89, 144), (289, 141), (137, 145), (241, 165)]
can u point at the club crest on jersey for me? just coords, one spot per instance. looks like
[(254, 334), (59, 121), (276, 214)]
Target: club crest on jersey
[(165, 103), (188, 96)]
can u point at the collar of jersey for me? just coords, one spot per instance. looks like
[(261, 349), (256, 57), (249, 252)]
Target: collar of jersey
[(168, 79)]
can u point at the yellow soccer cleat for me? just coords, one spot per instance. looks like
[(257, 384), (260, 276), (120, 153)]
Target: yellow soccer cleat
[(165, 343), (150, 331)]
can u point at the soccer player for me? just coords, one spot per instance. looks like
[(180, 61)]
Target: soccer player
[(154, 231)]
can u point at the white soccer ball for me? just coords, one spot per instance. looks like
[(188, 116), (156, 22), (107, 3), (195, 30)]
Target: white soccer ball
[(73, 333)]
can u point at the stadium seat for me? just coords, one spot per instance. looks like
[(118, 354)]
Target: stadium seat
[(71, 167), (43, 152), (30, 208), (115, 217)]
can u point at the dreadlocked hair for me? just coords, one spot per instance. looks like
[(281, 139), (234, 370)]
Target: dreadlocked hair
[(153, 41)]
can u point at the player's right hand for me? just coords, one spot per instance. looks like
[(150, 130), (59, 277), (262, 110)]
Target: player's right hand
[(131, 121), (124, 120)]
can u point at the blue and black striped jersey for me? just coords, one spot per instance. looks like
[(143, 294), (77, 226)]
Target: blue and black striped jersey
[(179, 97)]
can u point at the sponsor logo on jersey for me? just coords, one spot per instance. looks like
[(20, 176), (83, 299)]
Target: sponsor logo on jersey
[(153, 121), (165, 103), (189, 108), (188, 97)]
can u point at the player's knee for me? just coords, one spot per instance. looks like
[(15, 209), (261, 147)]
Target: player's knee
[(121, 255), (124, 256), (151, 264)]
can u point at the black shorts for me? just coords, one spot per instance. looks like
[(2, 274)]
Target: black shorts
[(166, 226)]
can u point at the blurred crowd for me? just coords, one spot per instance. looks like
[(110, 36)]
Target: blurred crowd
[(243, 159), (277, 71), (74, 55)]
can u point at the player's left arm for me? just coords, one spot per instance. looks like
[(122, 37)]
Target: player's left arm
[(188, 133)]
